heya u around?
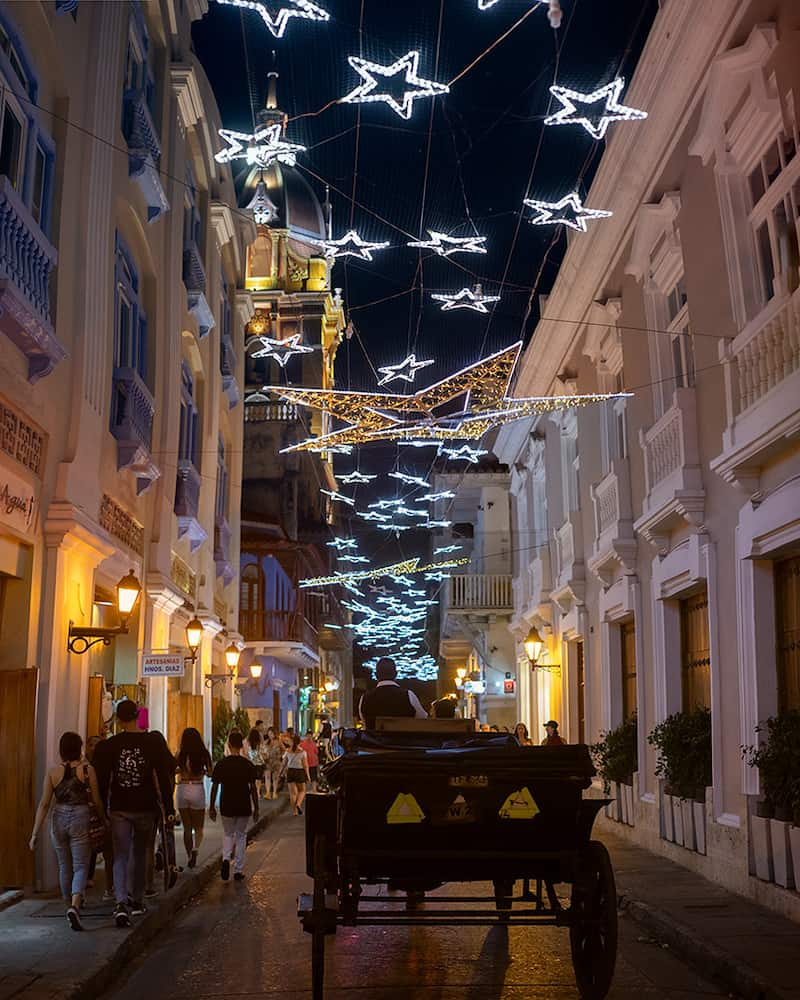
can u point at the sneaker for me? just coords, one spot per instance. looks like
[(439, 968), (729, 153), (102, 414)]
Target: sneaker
[(138, 909), (238, 877), (108, 895), (192, 862), (121, 916), (225, 870), (74, 919)]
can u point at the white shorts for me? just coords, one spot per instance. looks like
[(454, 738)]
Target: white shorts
[(190, 795)]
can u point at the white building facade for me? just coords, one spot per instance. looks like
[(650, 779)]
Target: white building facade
[(121, 364), (657, 540)]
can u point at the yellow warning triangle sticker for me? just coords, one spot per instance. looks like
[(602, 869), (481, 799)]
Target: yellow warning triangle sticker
[(519, 805), (405, 809)]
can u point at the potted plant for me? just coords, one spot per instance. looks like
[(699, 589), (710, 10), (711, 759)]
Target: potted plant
[(615, 759), (777, 757), (683, 746)]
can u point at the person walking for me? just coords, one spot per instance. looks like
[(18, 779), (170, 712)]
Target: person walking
[(522, 734), (135, 774), (273, 760), (308, 743), (193, 766), (297, 774), (239, 800), (256, 754), (552, 739), (70, 786)]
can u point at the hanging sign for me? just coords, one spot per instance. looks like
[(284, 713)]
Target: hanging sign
[(508, 687), (17, 502), (162, 665)]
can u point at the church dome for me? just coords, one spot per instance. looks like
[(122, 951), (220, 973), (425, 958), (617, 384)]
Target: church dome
[(291, 204)]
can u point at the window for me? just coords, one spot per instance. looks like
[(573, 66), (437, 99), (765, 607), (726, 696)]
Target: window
[(570, 464), (774, 216), (221, 501), (130, 327), (681, 341), (16, 61), (695, 652), (187, 448), (11, 144), (627, 635), (787, 617)]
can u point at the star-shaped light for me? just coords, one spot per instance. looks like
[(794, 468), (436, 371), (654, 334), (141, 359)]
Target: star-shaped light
[(349, 245), (438, 524), (437, 576), (281, 350), (466, 299), (444, 550), (259, 148), (355, 477), (369, 90), (385, 504), (569, 210), (394, 527), (342, 544), (372, 515), (464, 453), (581, 109), (353, 559), (442, 495), (339, 496), (446, 245), (288, 9), (406, 370), (409, 480)]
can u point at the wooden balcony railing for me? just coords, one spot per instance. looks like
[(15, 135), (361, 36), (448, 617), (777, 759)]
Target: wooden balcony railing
[(483, 591), (277, 626)]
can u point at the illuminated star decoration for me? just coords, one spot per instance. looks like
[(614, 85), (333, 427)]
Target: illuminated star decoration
[(338, 496), (356, 477), (594, 120), (281, 350), (349, 245), (438, 576), (372, 515), (252, 147), (442, 495), (406, 370), (437, 524), (446, 245), (466, 299), (569, 210), (292, 8), (353, 559), (342, 544), (464, 453), (371, 417), (445, 550), (394, 527), (409, 480), (369, 90)]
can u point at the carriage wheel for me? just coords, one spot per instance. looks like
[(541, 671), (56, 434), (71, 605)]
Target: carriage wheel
[(593, 924), (318, 933)]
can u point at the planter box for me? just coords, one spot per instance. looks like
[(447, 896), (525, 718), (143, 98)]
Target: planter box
[(627, 791), (699, 811), (762, 847), (666, 813), (677, 816), (794, 843), (688, 824), (612, 809), (623, 802), (782, 866)]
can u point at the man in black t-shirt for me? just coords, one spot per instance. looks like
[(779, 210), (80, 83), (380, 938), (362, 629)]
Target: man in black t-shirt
[(134, 770), (237, 778)]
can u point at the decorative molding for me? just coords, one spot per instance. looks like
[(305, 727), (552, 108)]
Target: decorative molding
[(653, 222), (121, 525), (20, 439), (163, 594), (245, 306), (187, 93), (222, 222), (184, 577)]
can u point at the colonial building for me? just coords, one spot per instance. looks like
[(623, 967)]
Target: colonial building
[(657, 541), (303, 671), (122, 314)]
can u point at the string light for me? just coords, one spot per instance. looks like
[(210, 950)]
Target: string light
[(372, 515), (437, 524), (385, 504), (437, 576), (280, 350), (409, 480), (441, 495), (292, 8), (343, 544), (444, 550), (349, 245), (356, 477), (406, 370), (569, 210), (465, 453), (339, 496), (596, 125), (394, 527), (395, 570), (252, 147), (368, 91), (445, 245), (466, 299), (352, 559)]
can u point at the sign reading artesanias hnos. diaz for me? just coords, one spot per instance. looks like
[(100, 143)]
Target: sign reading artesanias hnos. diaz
[(162, 665)]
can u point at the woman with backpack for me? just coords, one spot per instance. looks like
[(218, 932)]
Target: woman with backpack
[(69, 788)]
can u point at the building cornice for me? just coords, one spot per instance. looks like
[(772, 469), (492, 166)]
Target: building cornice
[(187, 93)]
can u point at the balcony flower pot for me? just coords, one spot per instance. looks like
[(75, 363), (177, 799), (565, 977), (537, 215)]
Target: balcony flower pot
[(687, 809), (699, 813), (677, 817), (762, 841), (614, 804), (666, 814), (615, 758), (782, 865), (623, 802), (794, 843), (627, 791)]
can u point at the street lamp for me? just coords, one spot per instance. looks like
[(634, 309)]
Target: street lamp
[(255, 669), (232, 659), (194, 636), (533, 646), (80, 638)]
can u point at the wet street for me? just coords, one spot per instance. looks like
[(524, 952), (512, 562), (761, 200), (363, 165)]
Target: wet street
[(244, 940)]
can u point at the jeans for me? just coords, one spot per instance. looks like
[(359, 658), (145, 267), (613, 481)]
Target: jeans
[(69, 833), (130, 831), (234, 840)]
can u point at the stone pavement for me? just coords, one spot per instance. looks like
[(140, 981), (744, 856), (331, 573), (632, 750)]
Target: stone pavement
[(752, 951), (42, 959)]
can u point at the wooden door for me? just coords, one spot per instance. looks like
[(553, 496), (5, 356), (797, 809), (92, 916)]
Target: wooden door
[(17, 791), (695, 652), (94, 707), (787, 620)]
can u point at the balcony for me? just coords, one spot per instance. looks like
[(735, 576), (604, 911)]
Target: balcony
[(187, 504), (480, 593), (26, 260), (144, 152), (569, 584), (132, 411), (227, 368), (194, 278), (673, 479), (287, 635), (762, 389), (222, 550), (261, 413), (614, 540), (531, 589)]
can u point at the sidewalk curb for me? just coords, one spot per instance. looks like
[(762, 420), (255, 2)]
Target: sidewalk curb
[(703, 955), (145, 930), (10, 897)]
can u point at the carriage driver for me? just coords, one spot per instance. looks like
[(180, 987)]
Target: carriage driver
[(387, 698)]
